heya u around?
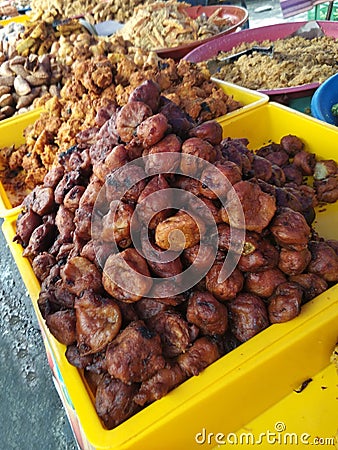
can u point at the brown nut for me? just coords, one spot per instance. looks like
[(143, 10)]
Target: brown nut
[(21, 86), (177, 232), (5, 70), (4, 90), (26, 100), (6, 100), (18, 69), (34, 81), (17, 60), (7, 110), (7, 80)]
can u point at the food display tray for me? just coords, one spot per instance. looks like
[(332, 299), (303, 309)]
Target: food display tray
[(22, 18), (12, 133), (272, 33), (11, 130), (240, 387)]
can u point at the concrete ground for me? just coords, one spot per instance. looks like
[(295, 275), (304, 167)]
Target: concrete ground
[(32, 416)]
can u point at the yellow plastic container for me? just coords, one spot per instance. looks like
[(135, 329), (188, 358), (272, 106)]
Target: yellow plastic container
[(248, 98), (11, 133), (23, 18), (240, 387)]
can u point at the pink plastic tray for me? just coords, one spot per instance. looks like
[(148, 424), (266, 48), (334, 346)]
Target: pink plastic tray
[(271, 32)]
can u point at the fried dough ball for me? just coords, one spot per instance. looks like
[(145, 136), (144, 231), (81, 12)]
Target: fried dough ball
[(26, 224), (261, 168), (129, 118), (257, 206), (147, 92), (40, 240), (79, 274), (293, 174), (72, 198), (210, 131), (173, 330), (171, 266), (42, 264), (324, 261), (327, 189), (290, 229), (98, 320), (215, 184), (178, 232), (153, 210), (200, 355), (62, 326), (311, 284), (305, 161), (43, 200), (203, 208), (152, 130), (135, 354), (164, 156), (149, 307), (207, 313), (116, 224), (231, 237), (160, 384), (291, 144), (264, 283), (198, 149), (227, 289), (248, 316), (293, 262), (274, 153), (117, 157), (125, 184), (201, 257), (264, 257), (126, 276), (284, 304), (114, 401), (191, 185), (64, 221)]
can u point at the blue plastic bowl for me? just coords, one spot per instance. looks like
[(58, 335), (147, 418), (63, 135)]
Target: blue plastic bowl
[(324, 98)]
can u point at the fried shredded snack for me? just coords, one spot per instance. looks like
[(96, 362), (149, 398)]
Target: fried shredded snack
[(295, 61), (166, 24)]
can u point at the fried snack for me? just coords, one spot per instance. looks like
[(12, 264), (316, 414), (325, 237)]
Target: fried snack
[(111, 302), (159, 24), (92, 85), (296, 61)]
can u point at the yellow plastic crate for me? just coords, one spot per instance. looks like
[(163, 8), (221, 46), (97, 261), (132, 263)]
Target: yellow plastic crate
[(235, 391), (250, 99), (23, 18), (11, 133)]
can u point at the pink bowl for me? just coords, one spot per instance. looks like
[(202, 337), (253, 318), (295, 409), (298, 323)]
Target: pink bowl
[(272, 33), (236, 14)]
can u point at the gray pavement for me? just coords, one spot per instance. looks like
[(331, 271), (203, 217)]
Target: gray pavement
[(32, 416)]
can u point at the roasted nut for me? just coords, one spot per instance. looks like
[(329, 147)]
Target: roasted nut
[(7, 80), (26, 100), (21, 86), (7, 110), (6, 100), (5, 70), (4, 90)]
